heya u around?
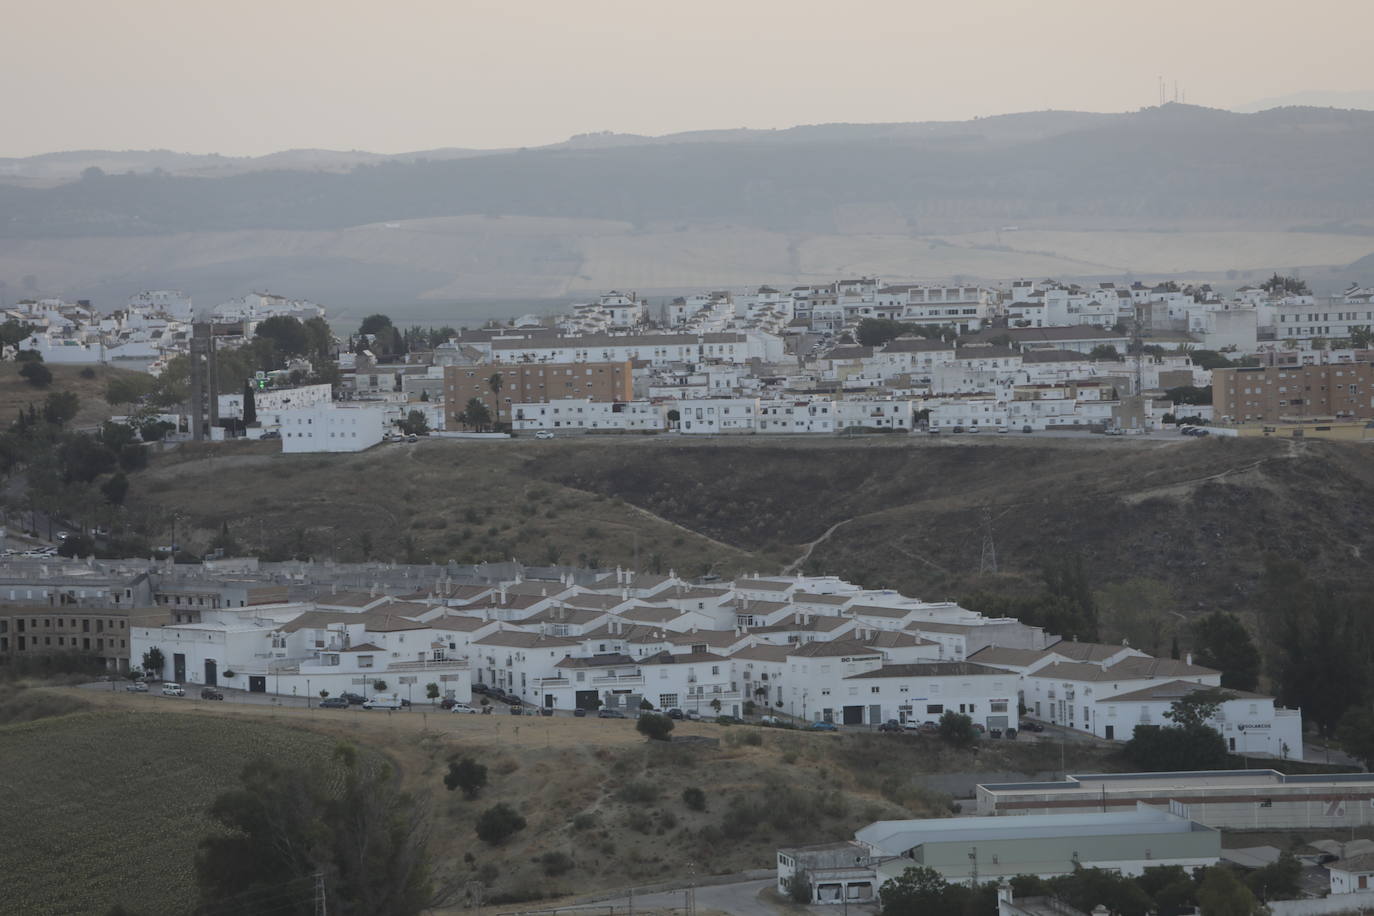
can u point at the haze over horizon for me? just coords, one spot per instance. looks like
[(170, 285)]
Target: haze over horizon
[(255, 78)]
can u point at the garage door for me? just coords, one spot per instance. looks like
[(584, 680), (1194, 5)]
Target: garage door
[(853, 715)]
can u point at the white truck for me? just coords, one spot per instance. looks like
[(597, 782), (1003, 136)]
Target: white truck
[(383, 701)]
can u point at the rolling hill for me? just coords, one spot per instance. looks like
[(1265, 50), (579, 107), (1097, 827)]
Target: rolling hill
[(1174, 189)]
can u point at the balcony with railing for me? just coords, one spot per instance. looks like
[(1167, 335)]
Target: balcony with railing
[(446, 664), (551, 682), (624, 680)]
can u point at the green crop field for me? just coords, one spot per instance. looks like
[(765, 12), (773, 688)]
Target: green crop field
[(106, 808)]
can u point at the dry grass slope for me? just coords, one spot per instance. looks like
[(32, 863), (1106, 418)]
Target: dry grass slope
[(604, 807), (16, 394), (1198, 515)]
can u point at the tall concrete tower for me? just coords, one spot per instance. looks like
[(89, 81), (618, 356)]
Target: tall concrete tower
[(204, 405)]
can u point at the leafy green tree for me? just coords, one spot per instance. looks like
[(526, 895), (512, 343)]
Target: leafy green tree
[(153, 662), (285, 824), (250, 406), (1280, 880), (1222, 894), (654, 726), (36, 374), (129, 389), (375, 324), (76, 545), (432, 691), (115, 489), (1156, 749), (415, 424), (1280, 285), (1189, 394), (287, 334), (13, 333), (60, 407), (1221, 641), (1315, 637), (1362, 336), (379, 685), (467, 775), (798, 887), (1355, 732), (499, 823), (476, 415), (1197, 708), (1210, 359), (117, 435), (83, 459), (957, 729), (918, 891), (1104, 351)]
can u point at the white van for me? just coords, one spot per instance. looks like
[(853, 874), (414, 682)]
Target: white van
[(383, 701), (170, 689)]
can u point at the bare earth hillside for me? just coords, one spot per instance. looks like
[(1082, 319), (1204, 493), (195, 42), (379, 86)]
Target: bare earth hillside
[(900, 512)]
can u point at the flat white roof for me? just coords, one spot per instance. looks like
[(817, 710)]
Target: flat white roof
[(1181, 781), (896, 837)]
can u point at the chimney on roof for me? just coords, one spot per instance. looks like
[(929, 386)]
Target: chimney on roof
[(1188, 659), (672, 573), (624, 594), (503, 594)]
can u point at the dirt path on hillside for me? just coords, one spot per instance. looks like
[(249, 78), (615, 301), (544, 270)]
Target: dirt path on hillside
[(796, 564)]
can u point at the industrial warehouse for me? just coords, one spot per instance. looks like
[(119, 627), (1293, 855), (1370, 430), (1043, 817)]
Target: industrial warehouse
[(1225, 799)]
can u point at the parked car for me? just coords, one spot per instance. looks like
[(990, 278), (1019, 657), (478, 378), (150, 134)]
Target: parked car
[(994, 733), (891, 725), (481, 688), (769, 720), (692, 715), (517, 710), (136, 687), (729, 720), (412, 438), (333, 703), (353, 699), (543, 434), (545, 711), (170, 689), (207, 693), (579, 712), (271, 434), (675, 713), (463, 708), (1028, 725), (823, 727), (383, 702), (1026, 429), (609, 714)]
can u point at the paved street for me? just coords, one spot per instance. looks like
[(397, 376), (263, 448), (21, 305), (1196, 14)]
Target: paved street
[(741, 899)]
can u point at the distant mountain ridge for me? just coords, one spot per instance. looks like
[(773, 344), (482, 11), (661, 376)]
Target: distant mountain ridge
[(1171, 189), (68, 165), (1177, 162)]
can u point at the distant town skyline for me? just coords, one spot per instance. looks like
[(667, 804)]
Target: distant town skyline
[(257, 77)]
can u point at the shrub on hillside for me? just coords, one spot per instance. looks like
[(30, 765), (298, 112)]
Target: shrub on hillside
[(654, 726), (499, 823), (694, 798)]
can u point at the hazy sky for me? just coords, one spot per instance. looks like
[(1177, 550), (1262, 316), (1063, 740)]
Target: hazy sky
[(253, 76)]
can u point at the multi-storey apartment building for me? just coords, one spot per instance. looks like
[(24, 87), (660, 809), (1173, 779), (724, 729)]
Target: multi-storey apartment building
[(533, 383), (1265, 394), (102, 633)]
